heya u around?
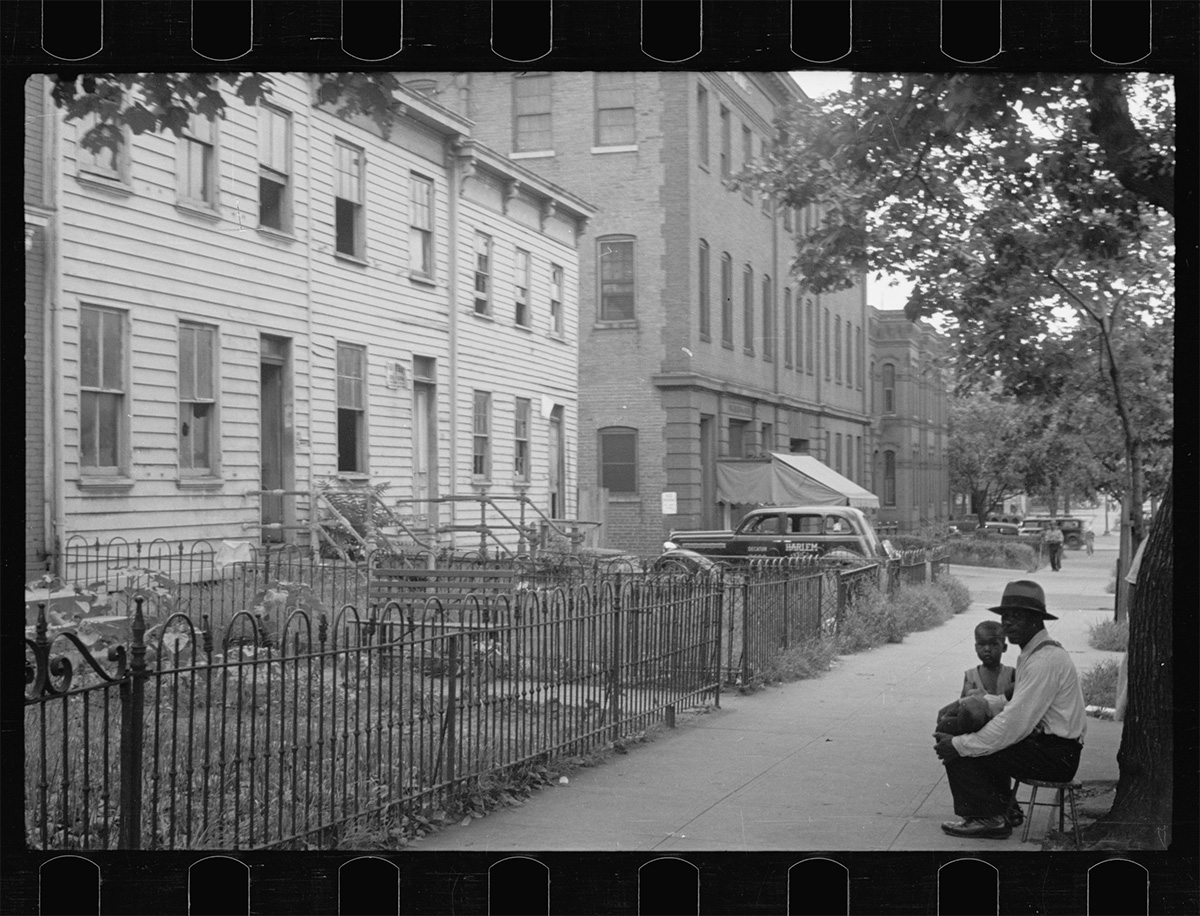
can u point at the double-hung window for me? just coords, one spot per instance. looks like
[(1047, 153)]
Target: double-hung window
[(352, 408), (521, 289), (825, 340), (102, 414), (748, 310), (849, 355), (197, 400), (618, 459), (483, 274), (531, 105), (274, 168), (615, 123), (787, 327), (727, 300), (808, 336), (747, 155), (837, 349), (768, 318), (521, 440), (420, 227), (111, 161), (726, 143), (348, 162), (705, 317), (481, 448), (556, 300), (889, 388), (198, 162), (702, 123), (616, 279)]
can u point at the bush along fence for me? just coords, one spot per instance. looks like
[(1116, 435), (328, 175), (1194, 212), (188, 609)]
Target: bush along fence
[(292, 725)]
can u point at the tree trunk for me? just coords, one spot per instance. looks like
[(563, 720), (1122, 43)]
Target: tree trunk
[(1141, 812)]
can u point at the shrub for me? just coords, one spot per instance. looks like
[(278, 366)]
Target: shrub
[(957, 594), (870, 620), (1109, 635), (808, 659), (992, 551), (1100, 684), (921, 607), (916, 541)]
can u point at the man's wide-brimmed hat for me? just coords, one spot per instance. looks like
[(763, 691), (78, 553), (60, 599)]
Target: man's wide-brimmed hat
[(1023, 595)]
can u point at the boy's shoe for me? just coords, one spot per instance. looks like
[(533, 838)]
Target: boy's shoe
[(986, 827)]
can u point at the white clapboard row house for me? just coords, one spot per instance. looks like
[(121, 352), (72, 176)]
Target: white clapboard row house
[(284, 296)]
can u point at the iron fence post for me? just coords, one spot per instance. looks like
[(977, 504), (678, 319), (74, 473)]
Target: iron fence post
[(841, 600), (720, 625), (614, 682), (132, 692), (451, 705), (787, 609), (745, 630)]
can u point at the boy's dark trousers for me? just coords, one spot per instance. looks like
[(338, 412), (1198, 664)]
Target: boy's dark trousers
[(982, 786), (1055, 559)]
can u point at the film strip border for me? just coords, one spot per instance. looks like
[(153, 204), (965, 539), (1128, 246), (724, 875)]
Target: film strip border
[(777, 34), (108, 35), (606, 883)]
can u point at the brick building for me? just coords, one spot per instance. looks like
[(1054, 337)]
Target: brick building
[(696, 345), (281, 297)]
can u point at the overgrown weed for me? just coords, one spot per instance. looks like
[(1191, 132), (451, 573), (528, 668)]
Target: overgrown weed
[(1109, 635)]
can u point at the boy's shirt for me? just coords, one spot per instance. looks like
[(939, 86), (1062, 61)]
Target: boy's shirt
[(973, 682)]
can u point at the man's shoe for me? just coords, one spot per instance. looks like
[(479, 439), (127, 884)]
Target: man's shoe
[(979, 827), (1015, 816)]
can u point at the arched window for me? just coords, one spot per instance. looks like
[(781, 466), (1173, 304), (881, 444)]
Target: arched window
[(618, 459), (889, 388), (889, 478), (825, 340), (768, 319), (617, 278), (837, 349), (702, 290), (861, 356), (727, 300), (787, 322), (872, 387), (849, 356), (748, 309), (808, 336)]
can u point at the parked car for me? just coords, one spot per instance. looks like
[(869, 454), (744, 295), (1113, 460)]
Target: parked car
[(832, 532), (1072, 528), (1006, 529)]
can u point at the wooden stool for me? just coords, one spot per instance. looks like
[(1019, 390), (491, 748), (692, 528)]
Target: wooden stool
[(1067, 788)]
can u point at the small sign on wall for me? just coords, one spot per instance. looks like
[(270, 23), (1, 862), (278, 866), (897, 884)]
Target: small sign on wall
[(670, 504)]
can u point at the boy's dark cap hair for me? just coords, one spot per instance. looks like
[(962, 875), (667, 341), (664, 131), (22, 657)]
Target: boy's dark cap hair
[(989, 626)]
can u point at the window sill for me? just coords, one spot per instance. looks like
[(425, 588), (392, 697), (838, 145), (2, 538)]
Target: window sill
[(113, 484), (195, 208), (617, 325), (482, 482), (624, 498), (528, 329), (354, 476), (533, 154), (483, 316), (747, 351), (557, 336), (199, 483), (705, 338), (350, 258), (279, 235), (114, 184), (627, 148), (727, 344), (421, 279), (703, 166)]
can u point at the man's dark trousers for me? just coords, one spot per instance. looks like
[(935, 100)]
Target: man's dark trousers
[(982, 785)]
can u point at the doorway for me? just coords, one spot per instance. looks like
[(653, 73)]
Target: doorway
[(274, 451), (557, 462), (709, 511), (425, 450)]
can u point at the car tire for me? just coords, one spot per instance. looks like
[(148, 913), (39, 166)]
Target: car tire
[(1074, 542)]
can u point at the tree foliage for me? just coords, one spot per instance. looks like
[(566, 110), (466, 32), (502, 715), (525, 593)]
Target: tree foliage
[(987, 449)]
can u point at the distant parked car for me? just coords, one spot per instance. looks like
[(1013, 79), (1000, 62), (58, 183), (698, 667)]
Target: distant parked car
[(1072, 528), (1003, 528)]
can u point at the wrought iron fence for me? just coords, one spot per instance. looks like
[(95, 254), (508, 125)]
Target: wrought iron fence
[(295, 729)]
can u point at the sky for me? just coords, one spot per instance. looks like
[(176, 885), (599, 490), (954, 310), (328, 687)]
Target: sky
[(816, 83)]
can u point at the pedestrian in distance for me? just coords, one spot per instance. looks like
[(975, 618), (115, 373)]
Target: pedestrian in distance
[(1038, 734), (1054, 546), (1089, 541)]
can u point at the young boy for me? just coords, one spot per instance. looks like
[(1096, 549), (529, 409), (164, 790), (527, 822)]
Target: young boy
[(971, 712), (991, 677)]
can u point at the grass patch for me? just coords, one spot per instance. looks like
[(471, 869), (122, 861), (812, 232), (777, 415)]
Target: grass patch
[(996, 552), (1110, 636), (873, 620), (1100, 684)]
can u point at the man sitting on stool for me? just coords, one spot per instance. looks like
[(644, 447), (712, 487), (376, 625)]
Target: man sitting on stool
[(1038, 734)]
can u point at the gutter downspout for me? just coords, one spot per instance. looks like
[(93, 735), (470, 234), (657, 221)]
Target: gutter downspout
[(454, 188), (53, 416)]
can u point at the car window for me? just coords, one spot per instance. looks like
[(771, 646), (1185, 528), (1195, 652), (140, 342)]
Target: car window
[(835, 525), (764, 524), (804, 524)]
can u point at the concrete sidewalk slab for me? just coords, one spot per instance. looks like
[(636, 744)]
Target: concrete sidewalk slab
[(841, 762)]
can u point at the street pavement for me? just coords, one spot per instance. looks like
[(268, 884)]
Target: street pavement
[(841, 762)]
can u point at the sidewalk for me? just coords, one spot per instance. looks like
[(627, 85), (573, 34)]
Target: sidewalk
[(842, 762)]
